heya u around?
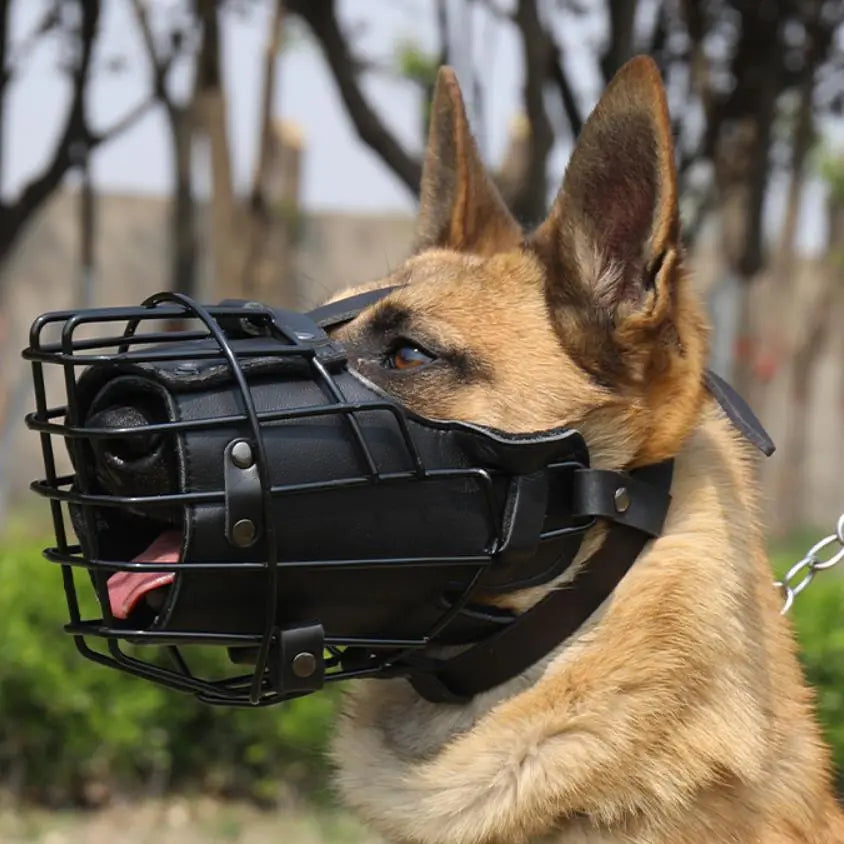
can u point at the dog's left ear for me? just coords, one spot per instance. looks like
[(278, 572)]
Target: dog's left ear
[(459, 206), (611, 240)]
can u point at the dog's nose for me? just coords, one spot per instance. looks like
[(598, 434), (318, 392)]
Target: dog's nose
[(133, 464), (130, 453)]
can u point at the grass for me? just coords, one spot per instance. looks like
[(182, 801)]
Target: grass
[(181, 820)]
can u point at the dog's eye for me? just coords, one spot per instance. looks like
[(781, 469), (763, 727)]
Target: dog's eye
[(408, 356)]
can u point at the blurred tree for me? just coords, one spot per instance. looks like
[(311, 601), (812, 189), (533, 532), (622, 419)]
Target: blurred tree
[(729, 66), (825, 310), (189, 31), (752, 57), (248, 236), (76, 24), (163, 55)]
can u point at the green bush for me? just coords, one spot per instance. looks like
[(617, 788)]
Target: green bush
[(71, 730), (819, 624)]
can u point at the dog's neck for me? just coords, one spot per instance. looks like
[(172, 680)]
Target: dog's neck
[(396, 711), (560, 751)]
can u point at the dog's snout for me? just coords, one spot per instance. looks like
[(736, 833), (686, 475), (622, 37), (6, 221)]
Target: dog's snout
[(131, 452), (137, 461)]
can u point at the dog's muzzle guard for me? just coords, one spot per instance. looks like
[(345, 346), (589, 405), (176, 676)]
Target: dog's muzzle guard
[(236, 484)]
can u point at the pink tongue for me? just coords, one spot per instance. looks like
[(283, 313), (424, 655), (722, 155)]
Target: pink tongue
[(126, 588)]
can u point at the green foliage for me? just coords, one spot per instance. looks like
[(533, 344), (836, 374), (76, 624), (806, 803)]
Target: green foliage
[(831, 167), (416, 65), (71, 731), (817, 620), (419, 67), (70, 728)]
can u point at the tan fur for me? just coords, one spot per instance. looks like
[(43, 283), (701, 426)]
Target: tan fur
[(678, 712)]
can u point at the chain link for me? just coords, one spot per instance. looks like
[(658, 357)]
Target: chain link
[(803, 572)]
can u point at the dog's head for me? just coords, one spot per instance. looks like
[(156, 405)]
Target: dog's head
[(588, 321), (255, 454)]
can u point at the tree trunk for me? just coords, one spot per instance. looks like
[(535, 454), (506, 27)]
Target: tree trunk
[(15, 215), (793, 488), (730, 312), (180, 117), (87, 235), (226, 231), (803, 131), (792, 476), (183, 245), (529, 201), (270, 271), (622, 15), (5, 6), (273, 205)]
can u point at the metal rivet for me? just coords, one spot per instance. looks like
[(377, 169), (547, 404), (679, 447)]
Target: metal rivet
[(187, 369), (241, 453), (621, 499), (243, 532), (304, 664)]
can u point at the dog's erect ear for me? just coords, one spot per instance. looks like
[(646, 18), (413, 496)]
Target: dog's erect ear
[(460, 208), (612, 234)]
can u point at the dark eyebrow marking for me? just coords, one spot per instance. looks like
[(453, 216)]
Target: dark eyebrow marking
[(390, 319), (469, 369)]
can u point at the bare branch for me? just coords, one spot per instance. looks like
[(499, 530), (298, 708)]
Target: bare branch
[(120, 125), (15, 215), (181, 229), (160, 64), (558, 76), (321, 18), (442, 30), (139, 7), (528, 204), (48, 21)]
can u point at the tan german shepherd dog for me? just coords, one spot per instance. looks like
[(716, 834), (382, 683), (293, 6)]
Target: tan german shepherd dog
[(678, 712)]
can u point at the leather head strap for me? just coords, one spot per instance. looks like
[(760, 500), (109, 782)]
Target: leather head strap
[(739, 413), (345, 310), (736, 408)]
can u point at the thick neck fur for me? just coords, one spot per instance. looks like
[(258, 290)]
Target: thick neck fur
[(677, 715)]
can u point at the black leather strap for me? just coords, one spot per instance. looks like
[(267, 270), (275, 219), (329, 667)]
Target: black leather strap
[(343, 310), (736, 408), (739, 413), (539, 630), (627, 498)]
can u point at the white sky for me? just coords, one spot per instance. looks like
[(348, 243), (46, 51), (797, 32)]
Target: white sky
[(339, 171)]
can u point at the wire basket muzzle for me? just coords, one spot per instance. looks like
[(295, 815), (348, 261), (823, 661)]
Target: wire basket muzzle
[(376, 515)]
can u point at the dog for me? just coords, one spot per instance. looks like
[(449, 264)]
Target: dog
[(678, 712)]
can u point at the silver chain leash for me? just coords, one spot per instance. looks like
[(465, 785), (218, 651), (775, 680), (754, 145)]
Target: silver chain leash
[(802, 573)]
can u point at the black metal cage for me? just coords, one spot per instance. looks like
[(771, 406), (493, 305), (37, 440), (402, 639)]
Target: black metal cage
[(122, 334), (238, 339)]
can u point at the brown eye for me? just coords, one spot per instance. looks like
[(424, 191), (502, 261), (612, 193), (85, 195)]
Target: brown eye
[(408, 356)]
